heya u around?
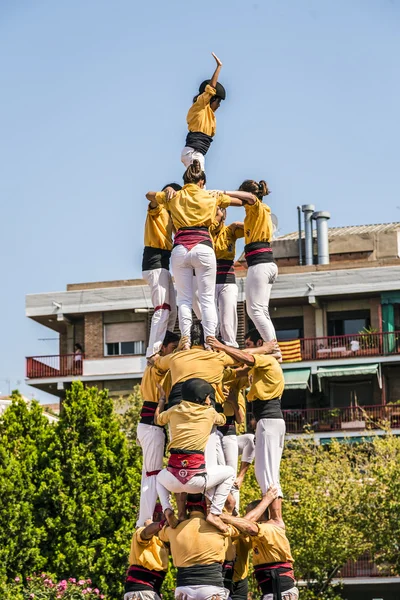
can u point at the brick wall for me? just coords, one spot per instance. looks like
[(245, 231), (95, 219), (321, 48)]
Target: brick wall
[(94, 343)]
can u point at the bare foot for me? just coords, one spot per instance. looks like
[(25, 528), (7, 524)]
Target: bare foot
[(171, 518), (217, 522)]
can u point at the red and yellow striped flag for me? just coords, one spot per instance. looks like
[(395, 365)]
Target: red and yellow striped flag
[(291, 351)]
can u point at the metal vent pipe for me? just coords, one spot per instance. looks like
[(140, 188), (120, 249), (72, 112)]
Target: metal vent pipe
[(299, 226), (308, 210), (321, 219)]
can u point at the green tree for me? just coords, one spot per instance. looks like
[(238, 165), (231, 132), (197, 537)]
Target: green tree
[(23, 431), (88, 492)]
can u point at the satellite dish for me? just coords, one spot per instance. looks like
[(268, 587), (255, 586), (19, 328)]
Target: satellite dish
[(274, 220)]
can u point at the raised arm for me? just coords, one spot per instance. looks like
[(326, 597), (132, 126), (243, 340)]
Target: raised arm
[(150, 531), (161, 403), (245, 197), (214, 78), (244, 525), (238, 356), (257, 512), (151, 197)]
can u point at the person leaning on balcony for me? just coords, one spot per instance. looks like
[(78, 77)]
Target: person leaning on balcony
[(151, 437), (272, 557), (226, 291), (78, 353), (155, 271), (193, 210), (267, 385), (148, 561)]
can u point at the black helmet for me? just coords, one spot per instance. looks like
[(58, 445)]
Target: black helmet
[(219, 88)]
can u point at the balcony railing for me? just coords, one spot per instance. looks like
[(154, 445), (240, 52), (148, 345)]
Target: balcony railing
[(366, 567), (346, 346), (344, 419), (39, 367)]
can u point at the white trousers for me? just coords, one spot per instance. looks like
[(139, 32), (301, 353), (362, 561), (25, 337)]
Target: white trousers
[(270, 438), (291, 594), (247, 447), (259, 281), (226, 298), (231, 455), (188, 155), (221, 478), (162, 293), (201, 258), (142, 595), (151, 439), (200, 592)]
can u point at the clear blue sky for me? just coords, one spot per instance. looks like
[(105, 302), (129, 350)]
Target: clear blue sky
[(94, 96)]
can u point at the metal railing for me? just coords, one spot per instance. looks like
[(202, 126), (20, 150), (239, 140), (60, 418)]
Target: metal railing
[(347, 346), (366, 567), (39, 367), (349, 418)]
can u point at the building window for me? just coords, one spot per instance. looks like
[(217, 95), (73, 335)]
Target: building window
[(124, 339), (348, 322), (288, 328)]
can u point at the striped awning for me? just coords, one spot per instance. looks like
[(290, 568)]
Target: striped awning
[(297, 379)]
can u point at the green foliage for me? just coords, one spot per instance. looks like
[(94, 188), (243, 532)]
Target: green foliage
[(68, 497), (68, 491)]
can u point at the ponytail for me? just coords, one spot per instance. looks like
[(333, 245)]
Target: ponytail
[(258, 188), (194, 173)]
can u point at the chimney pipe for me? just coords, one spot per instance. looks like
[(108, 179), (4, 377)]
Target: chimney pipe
[(308, 210), (299, 226), (321, 219)]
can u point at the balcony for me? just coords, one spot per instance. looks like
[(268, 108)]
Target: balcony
[(42, 367), (341, 346), (70, 365), (349, 418)]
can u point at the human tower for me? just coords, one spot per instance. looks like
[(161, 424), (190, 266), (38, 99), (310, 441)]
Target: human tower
[(193, 386)]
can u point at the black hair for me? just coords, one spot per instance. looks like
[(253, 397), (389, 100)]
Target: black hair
[(79, 347), (196, 502), (175, 186), (197, 334), (253, 335), (170, 338)]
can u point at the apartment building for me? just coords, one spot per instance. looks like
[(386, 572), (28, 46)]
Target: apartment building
[(338, 324)]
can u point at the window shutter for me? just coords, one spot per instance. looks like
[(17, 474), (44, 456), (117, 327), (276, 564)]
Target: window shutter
[(126, 332)]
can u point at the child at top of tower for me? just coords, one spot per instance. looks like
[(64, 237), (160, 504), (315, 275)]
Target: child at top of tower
[(201, 118)]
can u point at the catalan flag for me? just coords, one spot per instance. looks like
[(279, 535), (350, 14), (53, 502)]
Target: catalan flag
[(291, 351)]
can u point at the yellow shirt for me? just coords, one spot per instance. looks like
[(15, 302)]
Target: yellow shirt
[(148, 385), (224, 239), (196, 542), (193, 206), (267, 381), (257, 223), (237, 384), (158, 228), (150, 554), (241, 567), (270, 545), (190, 425), (200, 116), (195, 362)]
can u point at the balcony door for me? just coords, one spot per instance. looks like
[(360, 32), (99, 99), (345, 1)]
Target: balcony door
[(349, 322), (351, 393)]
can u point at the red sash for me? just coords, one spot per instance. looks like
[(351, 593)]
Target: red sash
[(186, 466)]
